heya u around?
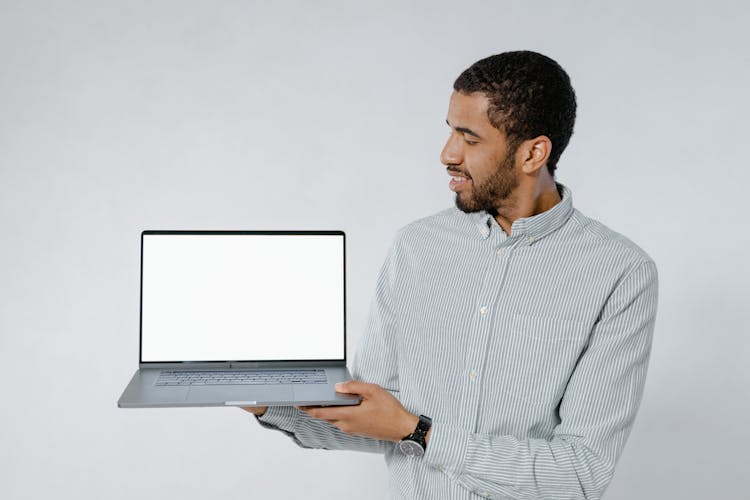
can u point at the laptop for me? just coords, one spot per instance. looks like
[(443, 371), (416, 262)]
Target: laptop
[(241, 318)]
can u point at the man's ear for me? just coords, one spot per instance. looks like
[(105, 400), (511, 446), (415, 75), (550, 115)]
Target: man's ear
[(535, 153)]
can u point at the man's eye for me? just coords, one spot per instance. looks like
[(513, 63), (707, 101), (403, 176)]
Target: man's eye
[(469, 142)]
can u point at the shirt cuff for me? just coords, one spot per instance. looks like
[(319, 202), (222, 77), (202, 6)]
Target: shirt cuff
[(279, 417), (446, 450)]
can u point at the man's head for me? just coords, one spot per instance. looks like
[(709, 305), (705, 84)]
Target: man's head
[(510, 114)]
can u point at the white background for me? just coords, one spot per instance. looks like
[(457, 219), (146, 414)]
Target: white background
[(121, 116), (242, 297)]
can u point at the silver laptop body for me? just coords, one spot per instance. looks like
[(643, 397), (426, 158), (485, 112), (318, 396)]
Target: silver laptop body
[(241, 318)]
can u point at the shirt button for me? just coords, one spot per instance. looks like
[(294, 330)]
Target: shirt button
[(485, 232), (500, 252), (483, 310), (473, 375), (530, 239), (441, 468)]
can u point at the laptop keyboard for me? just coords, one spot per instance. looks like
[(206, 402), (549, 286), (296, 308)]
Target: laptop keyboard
[(241, 377)]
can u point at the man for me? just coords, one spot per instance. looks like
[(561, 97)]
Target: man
[(520, 327)]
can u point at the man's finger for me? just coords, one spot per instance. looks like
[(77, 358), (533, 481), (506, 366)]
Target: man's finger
[(355, 387), (329, 413), (258, 411)]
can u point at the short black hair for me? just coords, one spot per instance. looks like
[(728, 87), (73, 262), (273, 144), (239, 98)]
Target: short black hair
[(530, 95)]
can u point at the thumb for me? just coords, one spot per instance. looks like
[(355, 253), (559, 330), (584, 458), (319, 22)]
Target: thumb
[(354, 387)]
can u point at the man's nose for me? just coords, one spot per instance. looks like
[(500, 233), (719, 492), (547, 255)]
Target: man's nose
[(452, 153)]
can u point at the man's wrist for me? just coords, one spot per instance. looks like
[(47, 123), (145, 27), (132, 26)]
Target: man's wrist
[(415, 443), (408, 424)]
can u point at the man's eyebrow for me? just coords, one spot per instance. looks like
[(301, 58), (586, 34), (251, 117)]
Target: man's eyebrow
[(465, 130)]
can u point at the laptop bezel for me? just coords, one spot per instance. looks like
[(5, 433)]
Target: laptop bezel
[(238, 363)]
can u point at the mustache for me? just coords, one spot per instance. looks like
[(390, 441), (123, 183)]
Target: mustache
[(457, 171)]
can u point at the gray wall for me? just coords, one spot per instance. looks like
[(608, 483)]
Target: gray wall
[(121, 116)]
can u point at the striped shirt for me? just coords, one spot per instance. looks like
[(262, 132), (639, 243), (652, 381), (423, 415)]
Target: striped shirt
[(529, 352)]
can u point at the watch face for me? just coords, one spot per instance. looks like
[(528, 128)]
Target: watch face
[(411, 448)]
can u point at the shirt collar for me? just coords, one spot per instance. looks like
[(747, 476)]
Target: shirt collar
[(531, 228)]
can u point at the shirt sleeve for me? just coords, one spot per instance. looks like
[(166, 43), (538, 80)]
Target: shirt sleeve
[(308, 432), (597, 413), (375, 362)]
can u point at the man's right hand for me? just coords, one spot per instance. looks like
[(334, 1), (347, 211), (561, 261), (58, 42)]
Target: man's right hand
[(258, 411)]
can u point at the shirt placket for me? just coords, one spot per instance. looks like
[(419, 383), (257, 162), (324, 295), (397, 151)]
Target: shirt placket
[(498, 250)]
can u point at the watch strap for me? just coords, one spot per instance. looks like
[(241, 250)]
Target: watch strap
[(420, 433)]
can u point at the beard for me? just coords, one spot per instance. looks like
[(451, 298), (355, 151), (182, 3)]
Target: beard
[(489, 194)]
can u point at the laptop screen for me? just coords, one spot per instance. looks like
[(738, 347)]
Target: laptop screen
[(242, 296)]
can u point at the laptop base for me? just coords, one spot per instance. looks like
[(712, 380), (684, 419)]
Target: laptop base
[(142, 392)]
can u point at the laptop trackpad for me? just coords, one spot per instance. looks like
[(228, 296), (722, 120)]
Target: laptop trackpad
[(222, 393)]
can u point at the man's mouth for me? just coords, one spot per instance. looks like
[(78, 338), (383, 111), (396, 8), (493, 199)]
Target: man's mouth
[(458, 181)]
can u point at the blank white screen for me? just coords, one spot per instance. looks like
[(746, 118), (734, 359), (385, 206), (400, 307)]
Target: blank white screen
[(221, 297)]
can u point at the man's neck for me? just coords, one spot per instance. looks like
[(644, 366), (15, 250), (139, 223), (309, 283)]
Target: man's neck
[(527, 202)]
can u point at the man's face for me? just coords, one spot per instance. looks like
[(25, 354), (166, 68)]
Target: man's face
[(477, 156)]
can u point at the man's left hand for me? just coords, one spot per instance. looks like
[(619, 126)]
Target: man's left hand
[(379, 415)]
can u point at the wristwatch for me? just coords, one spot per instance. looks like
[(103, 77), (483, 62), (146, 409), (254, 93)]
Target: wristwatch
[(414, 444)]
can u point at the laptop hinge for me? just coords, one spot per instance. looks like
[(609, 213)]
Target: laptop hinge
[(187, 364), (217, 365), (284, 364)]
